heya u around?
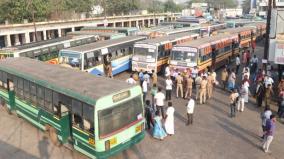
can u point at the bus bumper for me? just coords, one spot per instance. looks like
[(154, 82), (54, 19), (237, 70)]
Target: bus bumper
[(134, 140)]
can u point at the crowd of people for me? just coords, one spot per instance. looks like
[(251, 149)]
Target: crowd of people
[(252, 80)]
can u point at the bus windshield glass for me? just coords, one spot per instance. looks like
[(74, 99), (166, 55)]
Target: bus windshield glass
[(72, 59), (119, 116), (183, 56), (144, 54)]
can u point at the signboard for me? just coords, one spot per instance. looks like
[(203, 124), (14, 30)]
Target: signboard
[(104, 51), (187, 49), (120, 96), (145, 46), (279, 53)]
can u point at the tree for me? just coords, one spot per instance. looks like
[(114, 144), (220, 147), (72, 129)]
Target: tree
[(171, 6), (156, 6), (216, 3), (120, 6), (246, 6)]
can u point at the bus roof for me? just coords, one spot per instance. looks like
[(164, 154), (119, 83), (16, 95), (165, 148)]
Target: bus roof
[(74, 83), (104, 34), (237, 30), (109, 28), (104, 44), (171, 37), (206, 40)]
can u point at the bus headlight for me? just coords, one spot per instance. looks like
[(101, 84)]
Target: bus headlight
[(107, 145)]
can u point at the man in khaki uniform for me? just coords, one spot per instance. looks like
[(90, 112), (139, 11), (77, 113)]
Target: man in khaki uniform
[(210, 82), (189, 83), (154, 77), (224, 77), (179, 80), (203, 85), (198, 80)]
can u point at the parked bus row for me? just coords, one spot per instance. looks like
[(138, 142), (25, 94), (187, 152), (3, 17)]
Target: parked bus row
[(47, 50), (96, 116)]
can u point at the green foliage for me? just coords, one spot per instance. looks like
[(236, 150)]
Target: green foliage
[(120, 6), (171, 6), (216, 3), (246, 6), (156, 7)]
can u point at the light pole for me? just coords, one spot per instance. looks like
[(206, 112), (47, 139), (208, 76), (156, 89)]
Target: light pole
[(266, 46)]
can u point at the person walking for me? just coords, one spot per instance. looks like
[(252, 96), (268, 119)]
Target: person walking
[(238, 63), (141, 77), (169, 88), (169, 122), (190, 110), (265, 115), (146, 77), (268, 94), (189, 84), (154, 91), (233, 102), (179, 81), (194, 74), (130, 80), (198, 80), (144, 89), (167, 71), (210, 83), (203, 86), (270, 131), (232, 80), (241, 101), (259, 93), (159, 100), (158, 131), (154, 78), (149, 114), (254, 62), (224, 77)]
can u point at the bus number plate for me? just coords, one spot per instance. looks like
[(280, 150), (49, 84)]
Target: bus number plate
[(113, 141), (138, 129), (91, 141)]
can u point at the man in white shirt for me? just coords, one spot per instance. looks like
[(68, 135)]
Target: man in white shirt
[(194, 73), (160, 98), (254, 62), (190, 109), (169, 88), (268, 80), (144, 89), (146, 77), (167, 71), (238, 63), (130, 80)]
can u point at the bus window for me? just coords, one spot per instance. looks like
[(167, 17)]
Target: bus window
[(40, 96), (20, 88), (27, 90), (88, 116), (4, 80), (33, 93), (48, 99), (77, 113), (1, 83), (56, 103)]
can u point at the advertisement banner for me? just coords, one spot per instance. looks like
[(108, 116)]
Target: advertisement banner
[(279, 53)]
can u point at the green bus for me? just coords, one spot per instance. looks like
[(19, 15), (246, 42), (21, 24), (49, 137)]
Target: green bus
[(126, 30), (96, 116)]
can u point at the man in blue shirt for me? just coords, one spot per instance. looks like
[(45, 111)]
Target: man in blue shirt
[(141, 77), (270, 130)]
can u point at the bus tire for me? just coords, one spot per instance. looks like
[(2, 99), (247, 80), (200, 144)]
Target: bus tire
[(52, 133)]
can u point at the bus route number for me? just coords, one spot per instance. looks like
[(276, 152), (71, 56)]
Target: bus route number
[(120, 96)]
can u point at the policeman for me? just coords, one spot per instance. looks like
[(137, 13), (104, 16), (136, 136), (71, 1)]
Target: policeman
[(210, 82), (203, 85), (189, 83), (179, 81)]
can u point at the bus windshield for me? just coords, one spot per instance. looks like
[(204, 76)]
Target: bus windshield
[(71, 59), (119, 116), (145, 54), (183, 56)]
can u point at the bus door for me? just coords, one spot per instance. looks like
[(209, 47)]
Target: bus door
[(107, 65), (11, 93), (65, 122)]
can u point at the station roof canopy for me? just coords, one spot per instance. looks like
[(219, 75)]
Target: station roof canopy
[(74, 83), (237, 30)]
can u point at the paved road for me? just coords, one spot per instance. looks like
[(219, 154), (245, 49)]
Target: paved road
[(214, 135)]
